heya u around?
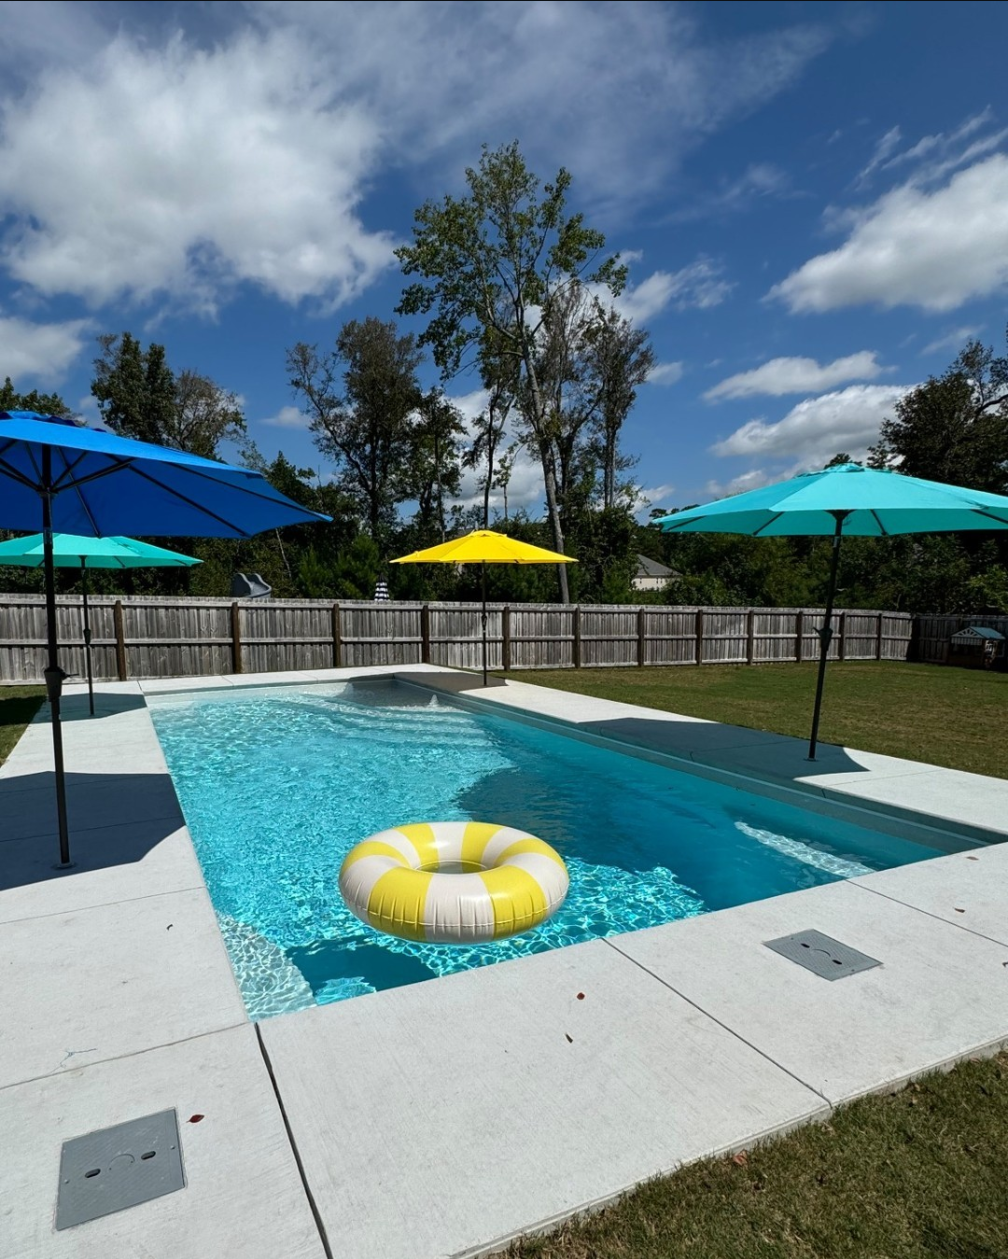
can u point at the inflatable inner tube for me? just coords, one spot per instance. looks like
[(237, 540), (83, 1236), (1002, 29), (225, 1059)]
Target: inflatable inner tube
[(453, 882)]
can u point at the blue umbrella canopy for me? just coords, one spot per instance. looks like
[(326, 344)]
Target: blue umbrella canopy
[(844, 500), (871, 503), (71, 550), (69, 478), (103, 485)]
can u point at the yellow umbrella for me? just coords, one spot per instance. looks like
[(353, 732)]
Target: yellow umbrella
[(484, 547)]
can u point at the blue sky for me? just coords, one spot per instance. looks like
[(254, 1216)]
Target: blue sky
[(813, 197)]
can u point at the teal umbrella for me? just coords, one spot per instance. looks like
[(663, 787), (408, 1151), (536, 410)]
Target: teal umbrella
[(844, 500), (70, 550)]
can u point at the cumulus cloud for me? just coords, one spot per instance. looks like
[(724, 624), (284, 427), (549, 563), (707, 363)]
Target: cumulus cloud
[(754, 479), (665, 373), (180, 172), (954, 340), (699, 286), (796, 375), (287, 417), (39, 353), (935, 250), (178, 152), (818, 428)]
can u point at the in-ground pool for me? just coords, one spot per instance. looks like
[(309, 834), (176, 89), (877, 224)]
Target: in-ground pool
[(278, 783)]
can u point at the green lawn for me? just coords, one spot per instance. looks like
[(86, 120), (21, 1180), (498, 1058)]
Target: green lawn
[(920, 1174), (18, 705), (945, 716)]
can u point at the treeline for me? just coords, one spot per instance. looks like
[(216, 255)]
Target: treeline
[(520, 292)]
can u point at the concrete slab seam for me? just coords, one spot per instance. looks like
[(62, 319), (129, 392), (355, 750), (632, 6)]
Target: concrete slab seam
[(319, 1224), (949, 922), (714, 1019), (84, 909)]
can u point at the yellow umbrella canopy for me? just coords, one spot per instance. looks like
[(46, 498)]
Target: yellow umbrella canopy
[(484, 546)]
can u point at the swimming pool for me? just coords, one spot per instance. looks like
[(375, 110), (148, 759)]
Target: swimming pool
[(278, 783)]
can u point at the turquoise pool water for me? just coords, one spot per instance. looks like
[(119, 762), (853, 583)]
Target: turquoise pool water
[(278, 783)]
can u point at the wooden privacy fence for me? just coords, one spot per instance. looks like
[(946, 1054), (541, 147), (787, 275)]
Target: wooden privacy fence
[(153, 637)]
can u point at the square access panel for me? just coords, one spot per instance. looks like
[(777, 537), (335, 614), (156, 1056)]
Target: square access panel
[(822, 955), (119, 1167)]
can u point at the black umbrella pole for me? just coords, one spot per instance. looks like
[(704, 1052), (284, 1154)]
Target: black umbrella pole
[(826, 636), (87, 636), (54, 675), (483, 566)]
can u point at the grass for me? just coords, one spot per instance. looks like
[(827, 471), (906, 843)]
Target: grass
[(18, 705), (944, 716), (920, 1174)]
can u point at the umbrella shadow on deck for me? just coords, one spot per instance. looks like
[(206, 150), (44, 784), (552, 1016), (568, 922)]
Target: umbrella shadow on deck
[(115, 820)]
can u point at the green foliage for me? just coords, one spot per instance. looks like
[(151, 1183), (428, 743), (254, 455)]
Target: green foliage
[(953, 428), (41, 403), (139, 396), (361, 399)]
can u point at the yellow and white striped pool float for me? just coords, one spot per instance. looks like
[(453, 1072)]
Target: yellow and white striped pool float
[(453, 882)]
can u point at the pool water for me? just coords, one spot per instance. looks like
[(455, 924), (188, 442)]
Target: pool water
[(278, 783)]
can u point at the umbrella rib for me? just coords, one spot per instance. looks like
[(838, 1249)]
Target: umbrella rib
[(184, 498), (766, 524), (80, 497), (16, 475), (882, 529)]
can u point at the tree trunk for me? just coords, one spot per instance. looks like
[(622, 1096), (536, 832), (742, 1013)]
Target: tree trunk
[(549, 477)]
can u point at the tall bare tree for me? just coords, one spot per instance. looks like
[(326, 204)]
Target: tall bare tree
[(496, 259)]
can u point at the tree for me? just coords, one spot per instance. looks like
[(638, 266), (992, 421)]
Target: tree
[(435, 463), (139, 396), (500, 373), (40, 403), (620, 359), (361, 400), (495, 261), (953, 428)]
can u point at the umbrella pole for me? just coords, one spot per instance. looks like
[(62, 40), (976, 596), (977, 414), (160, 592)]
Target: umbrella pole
[(483, 566), (54, 675), (87, 635), (826, 633)]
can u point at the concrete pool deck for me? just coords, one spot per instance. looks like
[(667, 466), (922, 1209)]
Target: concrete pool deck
[(447, 1117)]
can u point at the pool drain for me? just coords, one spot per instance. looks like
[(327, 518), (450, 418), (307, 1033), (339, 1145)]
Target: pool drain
[(119, 1167), (822, 955)]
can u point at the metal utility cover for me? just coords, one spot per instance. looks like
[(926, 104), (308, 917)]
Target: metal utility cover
[(119, 1167), (822, 954)]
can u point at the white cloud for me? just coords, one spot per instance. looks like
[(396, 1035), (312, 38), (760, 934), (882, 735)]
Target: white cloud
[(665, 374), (698, 286), (884, 149), (796, 375), (757, 182), (142, 165), (287, 417), (38, 353), (818, 428), (934, 250), (754, 479), (180, 172), (954, 340)]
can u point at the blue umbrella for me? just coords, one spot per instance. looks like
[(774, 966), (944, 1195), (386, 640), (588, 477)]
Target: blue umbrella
[(71, 550), (844, 500), (74, 479)]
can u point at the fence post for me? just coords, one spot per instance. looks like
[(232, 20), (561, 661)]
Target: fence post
[(506, 637), (337, 641), (878, 638), (576, 645), (750, 634), (641, 646), (425, 634), (699, 636), (236, 654), (842, 637), (799, 635), (120, 633)]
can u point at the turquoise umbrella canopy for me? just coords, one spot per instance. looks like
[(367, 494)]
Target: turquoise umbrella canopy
[(846, 500), (71, 550)]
